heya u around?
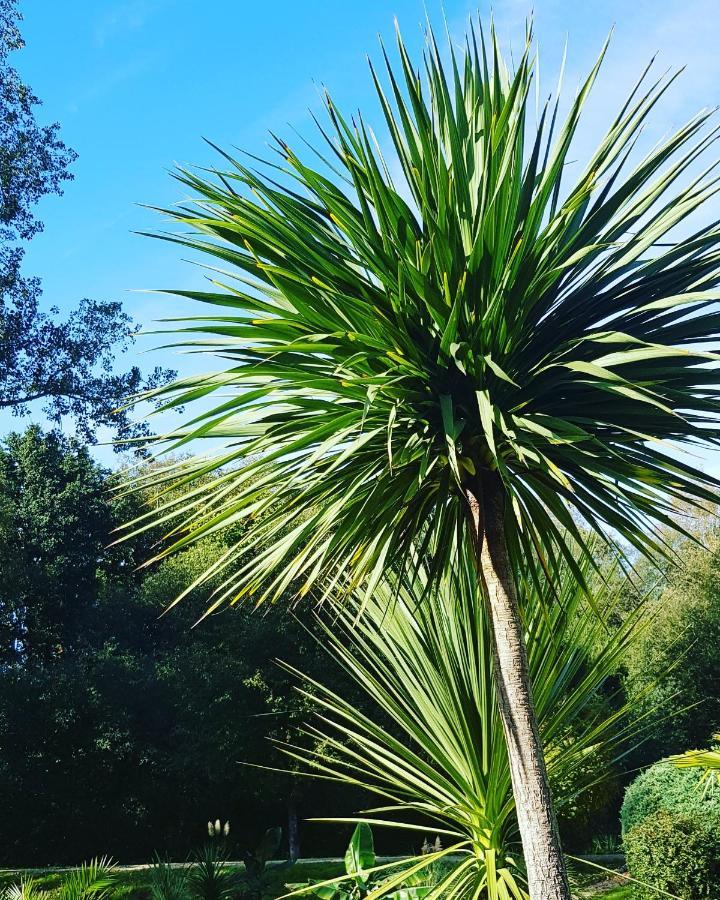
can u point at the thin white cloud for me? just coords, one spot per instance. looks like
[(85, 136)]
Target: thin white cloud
[(122, 18), (113, 79)]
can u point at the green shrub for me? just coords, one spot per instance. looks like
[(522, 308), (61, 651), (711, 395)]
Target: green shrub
[(168, 882), (676, 791), (676, 853), (210, 877)]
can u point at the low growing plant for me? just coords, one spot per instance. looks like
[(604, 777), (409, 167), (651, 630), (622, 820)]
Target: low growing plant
[(92, 880), (26, 889), (168, 881), (210, 878), (606, 845), (362, 877)]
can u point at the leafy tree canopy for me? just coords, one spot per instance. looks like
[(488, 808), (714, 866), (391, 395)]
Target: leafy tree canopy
[(65, 364)]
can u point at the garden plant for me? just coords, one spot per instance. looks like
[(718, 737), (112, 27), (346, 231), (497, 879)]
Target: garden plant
[(363, 878), (671, 828), (472, 340), (440, 754)]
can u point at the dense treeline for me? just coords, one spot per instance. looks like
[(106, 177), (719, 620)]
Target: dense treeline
[(122, 732)]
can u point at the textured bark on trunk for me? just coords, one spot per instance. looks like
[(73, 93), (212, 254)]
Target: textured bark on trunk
[(547, 878)]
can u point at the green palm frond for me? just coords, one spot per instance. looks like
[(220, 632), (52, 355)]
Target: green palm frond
[(708, 760), (441, 765), (91, 881), (26, 889), (385, 338)]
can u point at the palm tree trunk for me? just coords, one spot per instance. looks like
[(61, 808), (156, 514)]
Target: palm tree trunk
[(293, 829), (547, 878)]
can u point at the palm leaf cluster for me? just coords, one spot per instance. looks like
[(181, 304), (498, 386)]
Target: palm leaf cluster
[(478, 300), (440, 763), (93, 880)]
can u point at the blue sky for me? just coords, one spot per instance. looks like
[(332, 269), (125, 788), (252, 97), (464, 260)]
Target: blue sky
[(137, 84)]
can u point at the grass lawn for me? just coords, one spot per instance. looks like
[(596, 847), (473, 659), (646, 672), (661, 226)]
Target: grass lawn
[(133, 884), (278, 876)]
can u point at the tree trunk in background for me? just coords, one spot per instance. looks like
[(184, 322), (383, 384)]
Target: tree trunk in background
[(293, 830), (547, 878)]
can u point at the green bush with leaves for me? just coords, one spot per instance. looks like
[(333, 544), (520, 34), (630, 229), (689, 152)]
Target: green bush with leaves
[(679, 656), (667, 788), (676, 853), (168, 881)]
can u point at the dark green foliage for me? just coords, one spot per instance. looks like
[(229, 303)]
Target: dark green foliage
[(676, 853), (256, 860), (134, 728), (592, 787), (674, 673), (54, 524), (67, 366), (664, 787)]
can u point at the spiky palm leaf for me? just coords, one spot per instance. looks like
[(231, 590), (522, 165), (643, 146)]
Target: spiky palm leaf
[(91, 881), (709, 760), (425, 667), (26, 889)]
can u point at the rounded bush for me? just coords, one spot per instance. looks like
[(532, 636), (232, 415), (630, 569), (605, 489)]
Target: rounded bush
[(676, 791), (676, 853)]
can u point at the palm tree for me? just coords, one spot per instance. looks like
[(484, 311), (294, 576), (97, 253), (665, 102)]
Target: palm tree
[(458, 342)]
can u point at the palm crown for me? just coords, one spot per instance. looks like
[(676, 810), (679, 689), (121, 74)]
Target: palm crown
[(393, 328)]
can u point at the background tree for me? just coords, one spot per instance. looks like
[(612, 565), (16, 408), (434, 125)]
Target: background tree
[(54, 523), (468, 364), (122, 732), (68, 365), (674, 673)]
